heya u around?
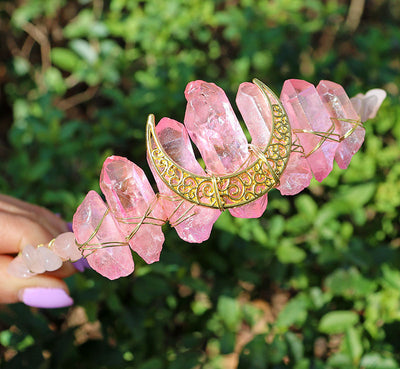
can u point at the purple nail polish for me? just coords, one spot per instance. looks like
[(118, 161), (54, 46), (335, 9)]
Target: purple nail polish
[(81, 264), (69, 225), (46, 298)]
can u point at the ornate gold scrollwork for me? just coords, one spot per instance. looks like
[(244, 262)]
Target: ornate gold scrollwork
[(236, 189)]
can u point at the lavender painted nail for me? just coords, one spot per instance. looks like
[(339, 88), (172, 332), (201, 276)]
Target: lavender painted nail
[(46, 298), (69, 225), (81, 264)]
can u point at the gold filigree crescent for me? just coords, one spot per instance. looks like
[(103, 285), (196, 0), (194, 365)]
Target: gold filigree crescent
[(236, 189)]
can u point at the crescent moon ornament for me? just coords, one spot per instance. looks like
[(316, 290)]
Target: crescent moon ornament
[(236, 189)]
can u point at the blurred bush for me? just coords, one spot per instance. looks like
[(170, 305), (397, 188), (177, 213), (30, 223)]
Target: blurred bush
[(314, 283)]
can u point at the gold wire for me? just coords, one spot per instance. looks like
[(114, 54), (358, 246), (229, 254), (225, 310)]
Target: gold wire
[(327, 136), (221, 192), (217, 196)]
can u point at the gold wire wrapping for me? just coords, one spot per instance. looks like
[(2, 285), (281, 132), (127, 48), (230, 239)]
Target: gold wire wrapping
[(138, 221), (328, 135), (223, 192), (233, 190)]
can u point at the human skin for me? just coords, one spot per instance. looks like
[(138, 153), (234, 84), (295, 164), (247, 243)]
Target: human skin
[(22, 224)]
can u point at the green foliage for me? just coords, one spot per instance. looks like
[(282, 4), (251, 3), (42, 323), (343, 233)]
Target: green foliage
[(314, 283)]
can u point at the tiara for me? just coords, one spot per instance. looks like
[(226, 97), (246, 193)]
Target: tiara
[(293, 139)]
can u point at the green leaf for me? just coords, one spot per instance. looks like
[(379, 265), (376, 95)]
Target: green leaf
[(340, 361), (352, 344), (296, 346), (337, 321), (294, 313), (85, 50), (152, 363), (288, 253), (349, 283), (391, 277), (374, 360), (255, 354), (227, 343), (65, 59), (307, 206), (229, 311), (55, 81)]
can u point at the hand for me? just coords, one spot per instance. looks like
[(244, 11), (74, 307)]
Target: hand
[(22, 224)]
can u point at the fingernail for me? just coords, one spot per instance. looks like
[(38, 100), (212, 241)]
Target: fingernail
[(81, 264), (69, 225), (46, 298), (57, 215)]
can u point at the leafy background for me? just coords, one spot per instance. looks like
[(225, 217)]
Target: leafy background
[(314, 283)]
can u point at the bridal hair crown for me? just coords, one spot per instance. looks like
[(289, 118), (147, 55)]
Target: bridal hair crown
[(292, 139)]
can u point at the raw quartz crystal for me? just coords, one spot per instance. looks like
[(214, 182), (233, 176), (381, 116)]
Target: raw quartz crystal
[(256, 113), (307, 114), (18, 268), (45, 258), (368, 105), (89, 222), (297, 174), (131, 200), (198, 219), (345, 117), (40, 259), (66, 248), (215, 130)]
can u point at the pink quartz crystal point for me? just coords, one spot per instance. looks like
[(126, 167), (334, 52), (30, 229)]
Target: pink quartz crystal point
[(130, 196), (176, 143), (111, 262), (214, 128), (339, 106), (65, 247), (307, 112), (256, 113), (296, 176)]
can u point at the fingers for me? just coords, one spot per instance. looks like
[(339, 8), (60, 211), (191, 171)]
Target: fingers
[(46, 219), (23, 224), (42, 291), (18, 231)]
